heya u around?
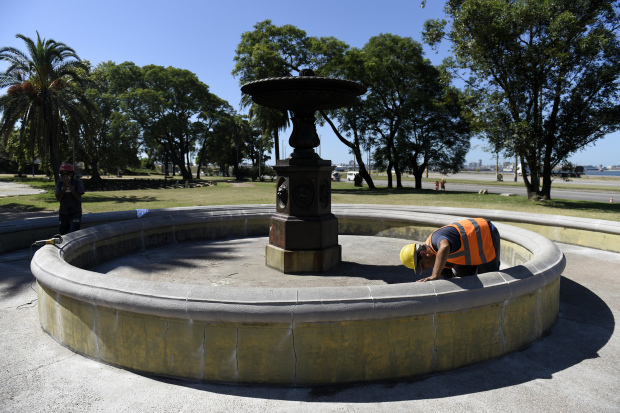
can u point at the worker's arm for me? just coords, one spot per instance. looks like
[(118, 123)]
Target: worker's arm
[(440, 261), (61, 194), (74, 192)]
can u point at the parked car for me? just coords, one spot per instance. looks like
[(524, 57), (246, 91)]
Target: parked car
[(351, 175), (335, 176)]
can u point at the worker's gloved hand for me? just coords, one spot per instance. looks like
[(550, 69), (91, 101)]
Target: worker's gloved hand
[(431, 278)]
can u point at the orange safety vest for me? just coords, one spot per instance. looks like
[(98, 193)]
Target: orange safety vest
[(476, 243)]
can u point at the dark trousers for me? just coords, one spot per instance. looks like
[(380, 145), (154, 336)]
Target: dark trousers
[(69, 222), (466, 270)]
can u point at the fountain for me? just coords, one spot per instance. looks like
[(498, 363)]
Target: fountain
[(303, 233), (232, 319)]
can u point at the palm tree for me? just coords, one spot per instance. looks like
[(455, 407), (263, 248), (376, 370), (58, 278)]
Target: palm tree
[(43, 92)]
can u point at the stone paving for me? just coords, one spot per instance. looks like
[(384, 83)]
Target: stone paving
[(573, 368), (241, 263)]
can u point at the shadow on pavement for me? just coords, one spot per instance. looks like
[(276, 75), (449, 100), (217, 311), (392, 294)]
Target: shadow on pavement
[(584, 326)]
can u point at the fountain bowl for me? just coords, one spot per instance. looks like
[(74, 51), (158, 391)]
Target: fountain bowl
[(304, 93)]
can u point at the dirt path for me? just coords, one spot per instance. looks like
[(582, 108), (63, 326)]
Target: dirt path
[(243, 184)]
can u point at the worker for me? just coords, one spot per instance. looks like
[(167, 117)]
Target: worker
[(69, 191), (443, 184), (463, 248), (436, 186)]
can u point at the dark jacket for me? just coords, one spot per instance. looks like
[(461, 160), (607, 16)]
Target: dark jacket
[(68, 204)]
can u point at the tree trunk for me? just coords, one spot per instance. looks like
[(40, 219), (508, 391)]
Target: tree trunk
[(418, 171), (95, 176), (418, 178), (399, 183), (356, 150), (185, 172), (363, 171), (389, 173), (53, 152)]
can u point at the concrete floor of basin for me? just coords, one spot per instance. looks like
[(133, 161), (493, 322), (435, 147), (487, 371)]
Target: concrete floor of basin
[(574, 368), (241, 263)]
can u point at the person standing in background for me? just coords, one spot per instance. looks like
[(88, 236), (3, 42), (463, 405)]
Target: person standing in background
[(69, 191)]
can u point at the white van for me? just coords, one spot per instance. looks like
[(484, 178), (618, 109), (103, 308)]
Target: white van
[(351, 175)]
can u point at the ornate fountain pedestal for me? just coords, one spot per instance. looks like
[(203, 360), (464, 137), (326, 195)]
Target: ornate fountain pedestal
[(303, 234)]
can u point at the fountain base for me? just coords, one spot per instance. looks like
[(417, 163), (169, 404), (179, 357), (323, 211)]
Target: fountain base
[(295, 262)]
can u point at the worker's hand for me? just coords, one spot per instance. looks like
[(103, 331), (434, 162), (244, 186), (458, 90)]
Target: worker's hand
[(431, 278)]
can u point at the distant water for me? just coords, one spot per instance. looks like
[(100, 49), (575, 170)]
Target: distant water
[(604, 173)]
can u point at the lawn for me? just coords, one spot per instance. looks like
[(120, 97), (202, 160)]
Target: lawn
[(558, 183), (342, 193)]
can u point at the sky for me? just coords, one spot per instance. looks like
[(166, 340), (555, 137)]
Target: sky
[(201, 36)]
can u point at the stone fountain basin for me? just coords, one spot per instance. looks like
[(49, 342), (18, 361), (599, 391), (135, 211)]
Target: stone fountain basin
[(291, 336), (304, 93)]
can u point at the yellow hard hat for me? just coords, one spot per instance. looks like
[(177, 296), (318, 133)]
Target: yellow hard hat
[(409, 256)]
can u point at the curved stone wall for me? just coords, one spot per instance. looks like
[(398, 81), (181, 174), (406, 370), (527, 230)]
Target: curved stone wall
[(301, 336), (593, 233)]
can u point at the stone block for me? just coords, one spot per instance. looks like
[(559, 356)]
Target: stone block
[(265, 354), (521, 322), (185, 349), (292, 262), (549, 304), (355, 351), (467, 337), (221, 352), (294, 233)]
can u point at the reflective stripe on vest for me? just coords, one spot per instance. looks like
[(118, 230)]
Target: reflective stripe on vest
[(476, 243)]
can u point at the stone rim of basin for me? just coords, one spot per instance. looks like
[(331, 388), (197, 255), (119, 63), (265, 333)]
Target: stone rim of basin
[(309, 304)]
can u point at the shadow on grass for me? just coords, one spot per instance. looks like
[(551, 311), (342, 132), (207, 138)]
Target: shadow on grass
[(118, 199), (581, 205), (13, 206), (395, 191)]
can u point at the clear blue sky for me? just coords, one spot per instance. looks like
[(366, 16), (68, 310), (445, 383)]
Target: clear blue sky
[(201, 36)]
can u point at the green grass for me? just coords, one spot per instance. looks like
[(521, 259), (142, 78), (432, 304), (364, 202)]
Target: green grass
[(557, 184), (342, 193)]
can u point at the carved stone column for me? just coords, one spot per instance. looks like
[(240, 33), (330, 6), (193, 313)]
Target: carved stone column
[(303, 234)]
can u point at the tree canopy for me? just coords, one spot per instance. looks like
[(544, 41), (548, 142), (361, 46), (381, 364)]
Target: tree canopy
[(167, 103), (43, 93), (544, 74)]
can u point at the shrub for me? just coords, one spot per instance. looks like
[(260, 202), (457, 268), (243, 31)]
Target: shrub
[(241, 173)]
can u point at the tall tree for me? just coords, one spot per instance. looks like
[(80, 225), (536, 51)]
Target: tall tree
[(217, 113), (553, 65), (164, 102), (352, 125), (277, 51), (43, 93), (436, 134), (111, 139), (394, 70)]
